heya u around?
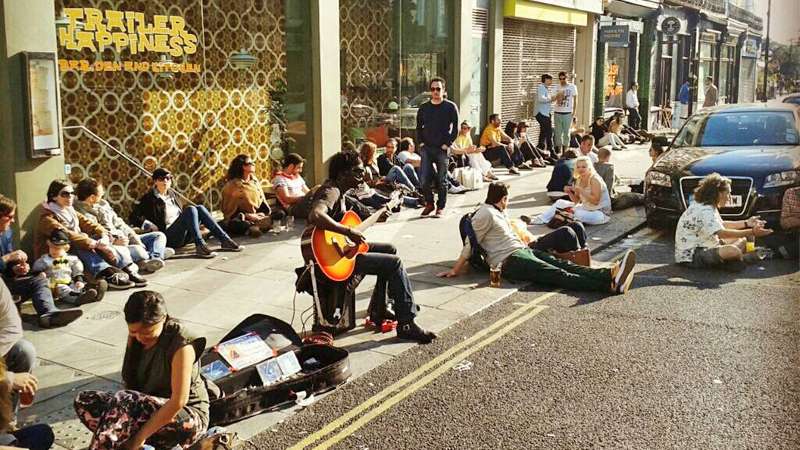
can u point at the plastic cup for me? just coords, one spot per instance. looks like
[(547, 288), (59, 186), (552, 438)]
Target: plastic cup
[(494, 277), (25, 399)]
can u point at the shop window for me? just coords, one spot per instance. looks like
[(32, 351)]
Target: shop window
[(390, 49)]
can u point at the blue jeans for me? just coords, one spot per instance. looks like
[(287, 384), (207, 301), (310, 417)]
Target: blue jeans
[(431, 156), (563, 123), (153, 247), (186, 227), (34, 437), (92, 262), (19, 359), (405, 176), (35, 288), (382, 260)]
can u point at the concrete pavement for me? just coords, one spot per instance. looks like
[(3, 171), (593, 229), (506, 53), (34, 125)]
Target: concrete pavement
[(214, 295)]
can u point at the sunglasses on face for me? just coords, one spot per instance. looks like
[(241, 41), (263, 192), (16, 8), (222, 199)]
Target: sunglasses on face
[(166, 178), (249, 163), (436, 89), (562, 78), (66, 194)]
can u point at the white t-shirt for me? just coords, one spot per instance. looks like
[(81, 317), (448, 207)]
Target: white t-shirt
[(294, 186), (631, 99), (172, 210), (566, 104), (697, 228), (406, 156)]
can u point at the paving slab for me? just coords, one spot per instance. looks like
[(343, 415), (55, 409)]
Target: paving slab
[(213, 295)]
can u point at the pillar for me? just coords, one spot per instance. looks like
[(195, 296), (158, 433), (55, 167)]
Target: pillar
[(27, 26), (647, 44), (585, 62), (495, 76), (599, 80), (460, 88)]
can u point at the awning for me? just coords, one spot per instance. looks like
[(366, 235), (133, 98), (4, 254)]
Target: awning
[(631, 8), (542, 12)]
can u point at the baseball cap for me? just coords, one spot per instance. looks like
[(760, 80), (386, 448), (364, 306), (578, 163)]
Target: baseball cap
[(160, 173)]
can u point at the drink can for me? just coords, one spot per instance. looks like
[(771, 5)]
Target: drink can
[(750, 246)]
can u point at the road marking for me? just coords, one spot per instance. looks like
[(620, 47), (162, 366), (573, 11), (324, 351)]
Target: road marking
[(416, 374), (427, 379), (401, 384)]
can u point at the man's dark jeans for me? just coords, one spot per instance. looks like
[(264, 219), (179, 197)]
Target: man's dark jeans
[(382, 260), (35, 437), (568, 238), (634, 118), (545, 132), (540, 267), (501, 153), (186, 228), (431, 175), (35, 288)]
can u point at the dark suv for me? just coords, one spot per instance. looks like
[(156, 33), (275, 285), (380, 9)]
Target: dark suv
[(756, 146)]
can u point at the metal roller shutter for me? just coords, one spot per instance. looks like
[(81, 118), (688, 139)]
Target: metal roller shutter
[(529, 50)]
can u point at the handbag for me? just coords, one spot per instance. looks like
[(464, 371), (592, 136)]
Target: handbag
[(790, 211), (469, 177), (563, 216), (580, 257)]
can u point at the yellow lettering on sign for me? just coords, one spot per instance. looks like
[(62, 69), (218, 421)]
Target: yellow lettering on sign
[(190, 44), (177, 25), (115, 20), (160, 41), (94, 20), (103, 39), (160, 24), (85, 41), (120, 40)]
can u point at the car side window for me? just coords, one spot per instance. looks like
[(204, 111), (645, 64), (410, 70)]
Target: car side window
[(688, 134)]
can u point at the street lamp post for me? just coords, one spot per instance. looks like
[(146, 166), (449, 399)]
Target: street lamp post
[(766, 50)]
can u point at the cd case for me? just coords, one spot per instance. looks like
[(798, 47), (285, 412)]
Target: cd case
[(215, 370)]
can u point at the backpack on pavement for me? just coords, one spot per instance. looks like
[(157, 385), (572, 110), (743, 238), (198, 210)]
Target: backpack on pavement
[(477, 259)]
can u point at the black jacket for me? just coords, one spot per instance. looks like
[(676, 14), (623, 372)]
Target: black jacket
[(152, 208)]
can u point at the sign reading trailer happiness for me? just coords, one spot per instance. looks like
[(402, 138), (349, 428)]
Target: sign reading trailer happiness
[(126, 31)]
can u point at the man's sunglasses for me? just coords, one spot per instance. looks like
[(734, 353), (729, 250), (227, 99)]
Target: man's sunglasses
[(166, 178), (436, 89), (66, 194)]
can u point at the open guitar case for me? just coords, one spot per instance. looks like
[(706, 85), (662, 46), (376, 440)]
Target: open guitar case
[(241, 393)]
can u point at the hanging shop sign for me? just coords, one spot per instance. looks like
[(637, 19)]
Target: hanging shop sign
[(750, 48), (126, 32), (615, 35), (671, 26)]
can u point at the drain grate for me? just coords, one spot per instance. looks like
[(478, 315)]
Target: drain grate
[(105, 315)]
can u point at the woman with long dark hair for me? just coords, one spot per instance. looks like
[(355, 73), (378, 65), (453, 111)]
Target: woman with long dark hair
[(244, 204), (165, 402)]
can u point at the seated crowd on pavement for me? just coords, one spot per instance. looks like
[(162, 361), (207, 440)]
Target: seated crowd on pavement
[(83, 248)]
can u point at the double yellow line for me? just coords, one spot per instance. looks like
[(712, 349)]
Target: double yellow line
[(421, 377)]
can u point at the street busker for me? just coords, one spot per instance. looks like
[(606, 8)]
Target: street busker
[(704, 240), (165, 402), (328, 207), (504, 248)]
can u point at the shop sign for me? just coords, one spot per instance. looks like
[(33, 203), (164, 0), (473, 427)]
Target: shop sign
[(615, 35), (671, 26), (95, 30), (750, 48)]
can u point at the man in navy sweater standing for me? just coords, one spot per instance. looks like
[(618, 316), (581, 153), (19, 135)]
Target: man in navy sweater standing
[(437, 128)]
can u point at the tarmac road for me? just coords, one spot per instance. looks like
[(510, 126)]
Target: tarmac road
[(687, 359)]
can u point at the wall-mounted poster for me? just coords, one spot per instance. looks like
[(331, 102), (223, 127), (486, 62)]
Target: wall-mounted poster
[(40, 76)]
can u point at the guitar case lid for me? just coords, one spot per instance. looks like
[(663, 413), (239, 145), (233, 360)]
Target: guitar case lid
[(276, 333)]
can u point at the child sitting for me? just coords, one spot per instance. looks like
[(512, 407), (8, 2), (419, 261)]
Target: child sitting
[(65, 273)]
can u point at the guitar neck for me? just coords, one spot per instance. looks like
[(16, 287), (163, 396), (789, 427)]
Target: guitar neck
[(371, 220)]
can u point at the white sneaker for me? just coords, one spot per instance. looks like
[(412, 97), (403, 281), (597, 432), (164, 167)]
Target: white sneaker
[(625, 274), (169, 252)]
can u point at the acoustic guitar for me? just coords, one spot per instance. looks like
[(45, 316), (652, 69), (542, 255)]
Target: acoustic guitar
[(334, 253)]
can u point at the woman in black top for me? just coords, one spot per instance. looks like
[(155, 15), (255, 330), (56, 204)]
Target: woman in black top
[(165, 403)]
